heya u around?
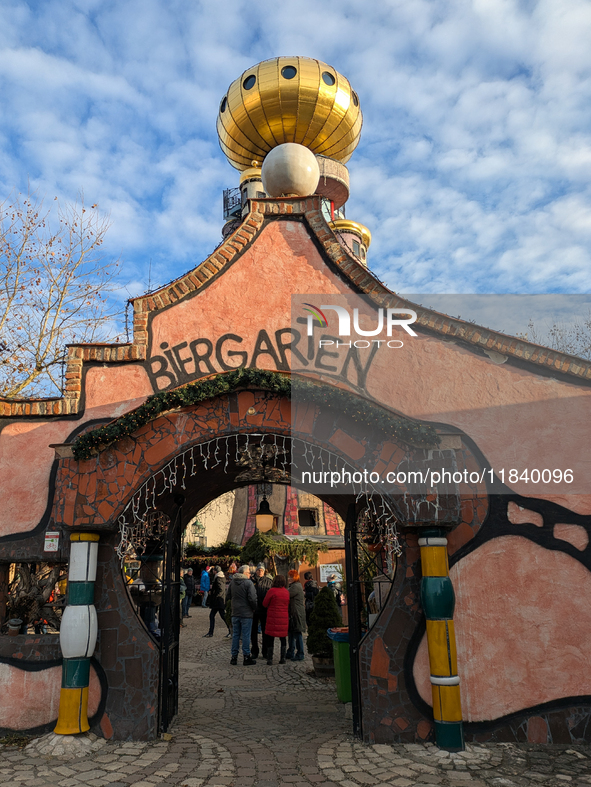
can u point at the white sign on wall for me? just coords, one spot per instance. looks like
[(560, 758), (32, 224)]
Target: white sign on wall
[(326, 569), (52, 540)]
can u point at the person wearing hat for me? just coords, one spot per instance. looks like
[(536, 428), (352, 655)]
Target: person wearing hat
[(262, 585), (333, 583)]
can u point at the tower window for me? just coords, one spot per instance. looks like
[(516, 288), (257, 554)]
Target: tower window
[(356, 248), (328, 78), (249, 82), (288, 72), (363, 252), (307, 518), (224, 104)]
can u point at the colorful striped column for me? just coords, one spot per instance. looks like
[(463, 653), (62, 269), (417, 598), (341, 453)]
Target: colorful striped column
[(78, 635), (438, 601)]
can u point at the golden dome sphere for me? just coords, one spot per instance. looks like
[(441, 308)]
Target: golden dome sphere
[(288, 99)]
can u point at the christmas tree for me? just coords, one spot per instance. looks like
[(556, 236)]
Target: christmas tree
[(325, 615)]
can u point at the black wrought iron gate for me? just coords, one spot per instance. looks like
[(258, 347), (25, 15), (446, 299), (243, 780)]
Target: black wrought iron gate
[(170, 620), (370, 570), (354, 602)]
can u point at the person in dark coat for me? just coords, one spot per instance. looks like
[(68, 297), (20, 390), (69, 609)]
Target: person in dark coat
[(182, 594), (244, 602), (297, 618), (335, 586), (217, 600), (190, 592), (276, 602), (311, 590), (262, 584)]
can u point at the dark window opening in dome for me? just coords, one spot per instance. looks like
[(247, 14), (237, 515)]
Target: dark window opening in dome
[(261, 194), (249, 82), (224, 104), (288, 72), (356, 248), (328, 78), (355, 98), (307, 519)]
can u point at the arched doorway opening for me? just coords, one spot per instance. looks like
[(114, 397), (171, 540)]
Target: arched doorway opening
[(140, 464), (152, 523)]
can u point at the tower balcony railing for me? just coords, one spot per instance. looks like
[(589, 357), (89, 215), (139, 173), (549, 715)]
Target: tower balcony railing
[(232, 204)]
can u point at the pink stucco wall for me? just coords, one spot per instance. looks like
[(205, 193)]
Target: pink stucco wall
[(511, 413), (30, 699), (253, 293), (523, 635), (25, 454)]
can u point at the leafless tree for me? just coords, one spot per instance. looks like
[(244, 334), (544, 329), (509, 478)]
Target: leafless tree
[(55, 287), (573, 338)]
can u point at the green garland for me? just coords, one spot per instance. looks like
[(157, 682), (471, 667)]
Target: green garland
[(261, 546), (360, 410), (227, 549)]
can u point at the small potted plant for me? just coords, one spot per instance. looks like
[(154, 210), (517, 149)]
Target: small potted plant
[(324, 616)]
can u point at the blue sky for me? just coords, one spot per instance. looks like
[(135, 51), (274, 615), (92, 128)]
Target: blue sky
[(474, 167)]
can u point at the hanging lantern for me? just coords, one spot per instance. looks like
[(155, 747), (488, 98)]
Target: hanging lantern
[(264, 517)]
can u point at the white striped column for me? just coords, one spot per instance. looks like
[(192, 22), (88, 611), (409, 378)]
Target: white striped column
[(78, 634)]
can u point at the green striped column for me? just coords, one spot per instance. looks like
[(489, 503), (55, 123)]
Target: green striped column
[(78, 633), (438, 601)]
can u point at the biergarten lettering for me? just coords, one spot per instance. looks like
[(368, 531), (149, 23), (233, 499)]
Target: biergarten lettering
[(191, 360)]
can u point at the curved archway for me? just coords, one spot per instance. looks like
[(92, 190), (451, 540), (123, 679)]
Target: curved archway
[(152, 464), (119, 470)]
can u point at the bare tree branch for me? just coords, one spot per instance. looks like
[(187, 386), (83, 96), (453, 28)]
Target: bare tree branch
[(55, 287), (573, 338)]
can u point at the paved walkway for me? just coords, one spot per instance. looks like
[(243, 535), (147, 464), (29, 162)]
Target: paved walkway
[(268, 726)]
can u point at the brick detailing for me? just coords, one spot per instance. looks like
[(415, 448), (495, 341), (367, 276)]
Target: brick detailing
[(262, 211), (77, 356), (234, 244), (331, 521)]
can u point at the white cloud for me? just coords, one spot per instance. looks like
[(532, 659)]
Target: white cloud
[(474, 166)]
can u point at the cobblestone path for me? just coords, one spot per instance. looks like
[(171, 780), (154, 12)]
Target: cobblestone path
[(268, 726)]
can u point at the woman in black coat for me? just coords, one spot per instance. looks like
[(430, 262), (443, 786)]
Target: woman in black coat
[(311, 590), (216, 600), (297, 618)]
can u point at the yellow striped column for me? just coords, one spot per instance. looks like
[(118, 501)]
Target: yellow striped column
[(438, 601), (78, 633)]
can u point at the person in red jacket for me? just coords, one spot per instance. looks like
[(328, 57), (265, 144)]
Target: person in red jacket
[(276, 602)]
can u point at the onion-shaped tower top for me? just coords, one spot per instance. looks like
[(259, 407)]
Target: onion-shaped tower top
[(289, 99)]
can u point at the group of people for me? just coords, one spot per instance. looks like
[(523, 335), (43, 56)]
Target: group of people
[(279, 609), (274, 605)]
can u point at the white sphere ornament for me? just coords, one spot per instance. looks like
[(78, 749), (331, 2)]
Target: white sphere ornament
[(290, 170)]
